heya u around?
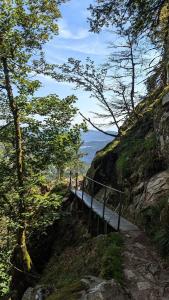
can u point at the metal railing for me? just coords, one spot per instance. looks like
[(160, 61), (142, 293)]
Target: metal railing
[(82, 185)]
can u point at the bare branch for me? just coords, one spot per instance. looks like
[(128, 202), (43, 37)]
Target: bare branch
[(96, 127), (5, 126)]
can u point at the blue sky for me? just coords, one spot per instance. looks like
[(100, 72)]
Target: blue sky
[(75, 40)]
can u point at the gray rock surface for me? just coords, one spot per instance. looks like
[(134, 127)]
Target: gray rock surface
[(157, 185), (95, 289), (39, 292), (165, 99), (145, 275), (104, 290), (154, 190)]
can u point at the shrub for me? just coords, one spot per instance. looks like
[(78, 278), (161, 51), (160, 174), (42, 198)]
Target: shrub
[(162, 240), (111, 265)]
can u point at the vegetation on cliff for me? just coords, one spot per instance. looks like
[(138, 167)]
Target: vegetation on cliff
[(137, 162), (76, 254)]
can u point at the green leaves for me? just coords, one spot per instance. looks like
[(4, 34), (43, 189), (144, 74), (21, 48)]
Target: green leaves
[(49, 125), (4, 269)]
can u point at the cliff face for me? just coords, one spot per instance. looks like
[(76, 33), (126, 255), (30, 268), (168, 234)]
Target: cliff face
[(138, 163)]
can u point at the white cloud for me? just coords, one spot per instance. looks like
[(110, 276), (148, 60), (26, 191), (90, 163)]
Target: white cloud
[(66, 33), (45, 78), (94, 48)]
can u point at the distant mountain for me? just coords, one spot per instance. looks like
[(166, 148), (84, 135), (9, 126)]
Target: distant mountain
[(92, 142)]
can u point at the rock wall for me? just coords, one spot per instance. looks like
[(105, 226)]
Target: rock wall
[(138, 163)]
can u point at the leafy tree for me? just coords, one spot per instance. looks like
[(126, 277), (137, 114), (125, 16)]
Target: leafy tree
[(49, 138), (49, 126), (24, 27)]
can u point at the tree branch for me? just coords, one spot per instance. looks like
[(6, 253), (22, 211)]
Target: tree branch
[(96, 127), (5, 126)]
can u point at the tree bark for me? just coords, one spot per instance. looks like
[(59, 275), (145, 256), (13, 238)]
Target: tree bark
[(133, 76), (21, 260), (166, 53), (15, 113)]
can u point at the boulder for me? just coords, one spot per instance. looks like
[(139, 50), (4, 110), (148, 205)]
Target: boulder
[(40, 292), (157, 187), (94, 289), (105, 290), (165, 100)]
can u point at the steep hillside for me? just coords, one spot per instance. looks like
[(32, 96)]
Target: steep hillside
[(93, 141), (138, 164), (80, 264)]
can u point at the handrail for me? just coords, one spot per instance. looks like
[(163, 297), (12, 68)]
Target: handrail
[(92, 198), (104, 185)]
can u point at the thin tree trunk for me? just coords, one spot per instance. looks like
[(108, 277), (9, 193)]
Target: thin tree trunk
[(111, 112), (166, 53), (22, 258), (15, 113), (133, 77), (125, 103)]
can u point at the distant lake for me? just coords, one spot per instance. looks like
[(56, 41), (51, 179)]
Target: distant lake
[(93, 142)]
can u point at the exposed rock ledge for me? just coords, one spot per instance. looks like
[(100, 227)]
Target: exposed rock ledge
[(94, 289)]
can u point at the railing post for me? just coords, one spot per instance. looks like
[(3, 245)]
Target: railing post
[(83, 187), (105, 227), (76, 186), (90, 212), (104, 204), (98, 224), (70, 180), (120, 208)]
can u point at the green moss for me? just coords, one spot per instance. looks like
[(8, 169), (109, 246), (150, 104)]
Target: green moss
[(155, 219), (164, 92), (130, 153), (70, 292), (111, 266), (26, 257), (109, 148), (157, 228), (161, 239), (100, 256)]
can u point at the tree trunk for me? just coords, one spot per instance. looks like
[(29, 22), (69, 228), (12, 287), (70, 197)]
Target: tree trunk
[(133, 77), (166, 52), (15, 113), (21, 259)]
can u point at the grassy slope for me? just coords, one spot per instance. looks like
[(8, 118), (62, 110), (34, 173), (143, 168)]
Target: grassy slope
[(76, 255)]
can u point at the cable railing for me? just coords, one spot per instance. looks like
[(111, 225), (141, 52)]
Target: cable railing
[(100, 193)]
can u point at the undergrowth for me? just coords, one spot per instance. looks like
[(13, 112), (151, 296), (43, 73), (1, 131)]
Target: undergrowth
[(100, 256), (135, 151), (156, 223)]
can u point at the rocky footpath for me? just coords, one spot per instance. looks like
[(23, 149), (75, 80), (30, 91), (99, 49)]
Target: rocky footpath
[(145, 276)]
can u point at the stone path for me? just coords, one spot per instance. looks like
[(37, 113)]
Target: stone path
[(146, 276)]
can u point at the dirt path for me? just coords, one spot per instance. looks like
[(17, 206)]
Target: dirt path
[(146, 276)]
